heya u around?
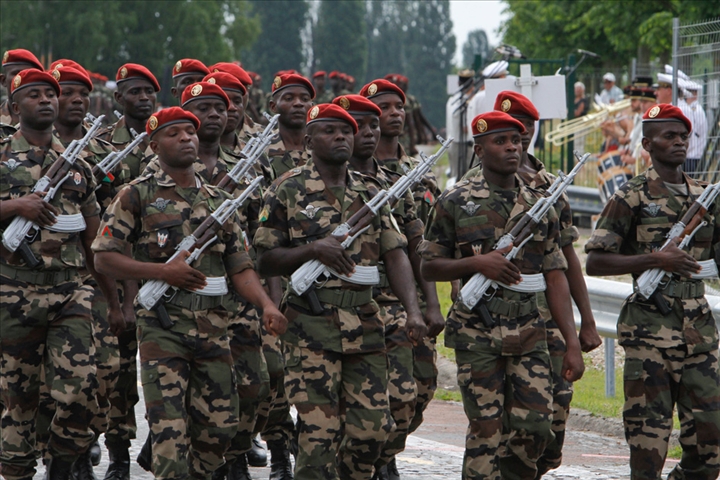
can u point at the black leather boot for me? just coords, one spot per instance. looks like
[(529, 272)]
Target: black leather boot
[(392, 471), (59, 469), (280, 465), (119, 468), (257, 456), (238, 470), (144, 458), (83, 468), (221, 473)]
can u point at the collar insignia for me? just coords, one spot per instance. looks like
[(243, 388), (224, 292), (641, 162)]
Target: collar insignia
[(309, 211), (161, 204), (470, 208), (652, 209)]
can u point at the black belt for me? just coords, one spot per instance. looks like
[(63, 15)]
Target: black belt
[(40, 277)]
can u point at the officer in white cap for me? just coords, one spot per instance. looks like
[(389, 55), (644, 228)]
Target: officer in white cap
[(497, 69)]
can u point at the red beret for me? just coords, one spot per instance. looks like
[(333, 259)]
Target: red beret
[(98, 76), (72, 75), (169, 116), (65, 62), (233, 69), (319, 73), (494, 122), (351, 79), (333, 74), (391, 77), (188, 66), (255, 76), (200, 90), (225, 81), (357, 105), (292, 80), (33, 76), (329, 111), (380, 87), (20, 55), (515, 104), (133, 70), (664, 112)]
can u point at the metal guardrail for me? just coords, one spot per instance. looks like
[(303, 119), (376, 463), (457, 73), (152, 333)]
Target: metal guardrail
[(584, 200), (606, 299)]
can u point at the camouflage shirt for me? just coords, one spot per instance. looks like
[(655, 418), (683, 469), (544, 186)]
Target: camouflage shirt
[(154, 215), (5, 116), (6, 130), (468, 219), (299, 209), (250, 128), (21, 166), (119, 136), (635, 221), (282, 160)]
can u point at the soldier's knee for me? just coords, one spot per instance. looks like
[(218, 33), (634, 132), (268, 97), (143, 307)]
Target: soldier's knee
[(368, 426)]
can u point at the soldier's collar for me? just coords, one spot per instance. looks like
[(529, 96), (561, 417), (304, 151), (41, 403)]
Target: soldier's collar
[(165, 180), (657, 188), (21, 145), (479, 187), (121, 133)]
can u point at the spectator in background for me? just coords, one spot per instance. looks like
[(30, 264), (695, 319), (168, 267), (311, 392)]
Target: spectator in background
[(581, 109), (611, 93)]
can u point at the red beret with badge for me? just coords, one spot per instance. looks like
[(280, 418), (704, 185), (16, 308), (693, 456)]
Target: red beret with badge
[(169, 116), (292, 80), (665, 112), (233, 69), (203, 90), (226, 81), (495, 122), (33, 76), (65, 62), (319, 73), (334, 74), (357, 105), (331, 112), (133, 70), (381, 87), (20, 55), (72, 75), (515, 104), (189, 66)]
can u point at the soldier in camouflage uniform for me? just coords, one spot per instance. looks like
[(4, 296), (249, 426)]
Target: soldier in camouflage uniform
[(248, 128), (402, 388), (186, 72), (188, 380), (13, 62), (45, 313), (390, 154), (670, 360), (503, 362), (323, 95), (336, 360)]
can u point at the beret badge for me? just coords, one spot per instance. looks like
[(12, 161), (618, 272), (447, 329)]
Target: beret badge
[(482, 126), (314, 112)]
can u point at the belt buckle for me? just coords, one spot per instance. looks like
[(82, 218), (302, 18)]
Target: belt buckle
[(48, 278)]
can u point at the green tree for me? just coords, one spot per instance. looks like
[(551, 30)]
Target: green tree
[(385, 33), (340, 38), (476, 44)]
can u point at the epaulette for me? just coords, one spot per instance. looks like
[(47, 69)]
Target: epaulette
[(142, 178), (290, 173)]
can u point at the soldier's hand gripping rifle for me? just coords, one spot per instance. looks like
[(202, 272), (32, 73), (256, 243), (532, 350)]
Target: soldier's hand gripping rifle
[(479, 289), (303, 280), (104, 169), (154, 293), (684, 230), (22, 231), (253, 150)]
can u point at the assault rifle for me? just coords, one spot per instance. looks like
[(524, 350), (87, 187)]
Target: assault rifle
[(104, 169), (480, 289), (154, 293), (684, 230), (18, 234), (303, 280)]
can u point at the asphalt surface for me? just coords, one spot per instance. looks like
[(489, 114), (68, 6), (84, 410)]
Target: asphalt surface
[(435, 451)]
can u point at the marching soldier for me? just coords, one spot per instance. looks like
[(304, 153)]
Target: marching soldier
[(336, 360), (391, 155), (671, 359), (186, 72), (13, 62), (186, 368), (503, 363), (321, 94), (45, 311), (249, 127)]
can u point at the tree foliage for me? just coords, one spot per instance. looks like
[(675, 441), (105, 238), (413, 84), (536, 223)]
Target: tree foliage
[(476, 44), (339, 37)]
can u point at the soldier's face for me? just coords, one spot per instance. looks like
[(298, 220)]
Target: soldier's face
[(137, 98), (37, 106), (292, 103), (319, 83), (331, 141), (392, 119), (9, 72), (176, 145), (500, 152), (236, 112), (73, 104), (667, 143), (530, 131), (368, 136), (664, 94), (212, 114), (183, 81)]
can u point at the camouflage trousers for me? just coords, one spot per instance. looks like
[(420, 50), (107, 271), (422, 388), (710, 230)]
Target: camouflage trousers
[(122, 425), (343, 413), (485, 377), (251, 372), (274, 420), (655, 381), (45, 326), (425, 373), (190, 390), (402, 389)]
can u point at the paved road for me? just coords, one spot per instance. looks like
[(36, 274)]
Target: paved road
[(435, 451)]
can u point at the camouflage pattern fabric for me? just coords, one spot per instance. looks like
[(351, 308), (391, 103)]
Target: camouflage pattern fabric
[(250, 128), (511, 355), (5, 116), (299, 208), (283, 160), (118, 134), (274, 420), (6, 130), (680, 346)]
